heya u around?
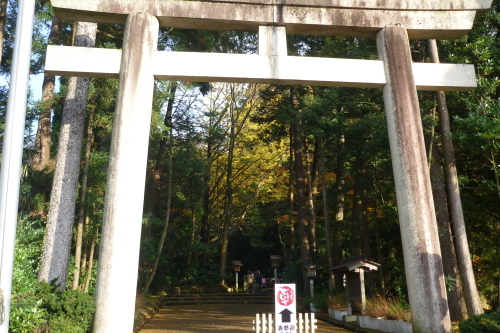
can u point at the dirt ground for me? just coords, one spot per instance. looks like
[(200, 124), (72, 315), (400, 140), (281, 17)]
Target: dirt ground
[(215, 318)]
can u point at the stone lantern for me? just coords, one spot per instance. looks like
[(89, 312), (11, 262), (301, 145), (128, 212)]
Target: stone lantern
[(311, 274), (236, 268), (275, 263)]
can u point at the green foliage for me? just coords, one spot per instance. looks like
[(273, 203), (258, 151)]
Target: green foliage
[(70, 311), (27, 254), (485, 323), (63, 311), (26, 315), (321, 300), (35, 303)]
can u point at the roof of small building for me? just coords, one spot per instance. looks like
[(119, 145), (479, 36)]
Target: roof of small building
[(354, 263)]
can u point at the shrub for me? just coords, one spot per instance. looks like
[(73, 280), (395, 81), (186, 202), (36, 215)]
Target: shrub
[(320, 301), (27, 311), (68, 311), (306, 301), (27, 316), (27, 254), (485, 323)]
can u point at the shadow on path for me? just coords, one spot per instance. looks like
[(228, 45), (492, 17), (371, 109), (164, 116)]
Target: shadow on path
[(215, 318)]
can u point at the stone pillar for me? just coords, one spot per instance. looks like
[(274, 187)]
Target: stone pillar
[(119, 252), (272, 43), (422, 254)]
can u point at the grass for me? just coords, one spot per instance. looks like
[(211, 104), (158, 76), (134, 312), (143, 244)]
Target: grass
[(337, 302), (390, 308)]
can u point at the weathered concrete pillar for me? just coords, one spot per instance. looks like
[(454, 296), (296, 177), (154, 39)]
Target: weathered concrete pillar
[(119, 252), (422, 255)]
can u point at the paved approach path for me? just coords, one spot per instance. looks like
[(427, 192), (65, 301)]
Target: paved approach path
[(215, 318)]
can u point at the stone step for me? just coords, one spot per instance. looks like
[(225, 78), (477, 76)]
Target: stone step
[(221, 301), (225, 298), (223, 295)]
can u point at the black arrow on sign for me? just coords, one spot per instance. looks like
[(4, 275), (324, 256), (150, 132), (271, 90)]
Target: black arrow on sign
[(286, 316)]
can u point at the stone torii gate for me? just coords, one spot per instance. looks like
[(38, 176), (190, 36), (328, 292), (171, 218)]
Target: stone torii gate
[(391, 22)]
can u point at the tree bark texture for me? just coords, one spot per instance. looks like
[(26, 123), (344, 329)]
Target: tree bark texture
[(169, 207), (152, 194), (356, 241), (474, 306), (3, 16), (228, 208), (324, 183), (312, 188), (305, 249), (339, 209), (291, 177), (456, 301), (58, 237), (43, 140), (81, 204), (379, 245), (90, 265)]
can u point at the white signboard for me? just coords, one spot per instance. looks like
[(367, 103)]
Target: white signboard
[(285, 308)]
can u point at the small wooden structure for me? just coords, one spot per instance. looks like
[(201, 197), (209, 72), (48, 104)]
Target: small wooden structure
[(354, 269)]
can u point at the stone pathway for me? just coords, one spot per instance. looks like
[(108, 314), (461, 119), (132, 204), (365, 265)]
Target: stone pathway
[(215, 318)]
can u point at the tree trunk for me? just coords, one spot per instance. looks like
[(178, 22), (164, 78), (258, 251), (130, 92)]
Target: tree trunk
[(169, 123), (86, 248), (207, 196), (456, 301), (43, 139), (90, 265), (474, 306), (365, 230), (305, 250), (329, 257), (339, 215), (83, 194), (291, 176), (58, 237), (3, 16), (152, 194), (193, 235), (229, 193), (207, 202), (379, 246), (356, 243), (312, 171)]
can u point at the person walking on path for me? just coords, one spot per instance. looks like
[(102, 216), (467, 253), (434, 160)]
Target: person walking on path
[(258, 281), (250, 280)]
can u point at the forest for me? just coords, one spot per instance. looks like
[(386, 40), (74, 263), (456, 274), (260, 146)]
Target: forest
[(245, 171)]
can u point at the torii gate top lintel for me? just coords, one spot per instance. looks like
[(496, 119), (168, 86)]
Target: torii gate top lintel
[(422, 19)]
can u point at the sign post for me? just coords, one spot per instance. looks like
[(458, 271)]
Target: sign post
[(285, 308)]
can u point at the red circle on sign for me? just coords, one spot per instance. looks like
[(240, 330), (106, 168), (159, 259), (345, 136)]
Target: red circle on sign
[(285, 296)]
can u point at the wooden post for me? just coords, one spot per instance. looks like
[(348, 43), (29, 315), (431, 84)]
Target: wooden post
[(422, 254), (119, 254)]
